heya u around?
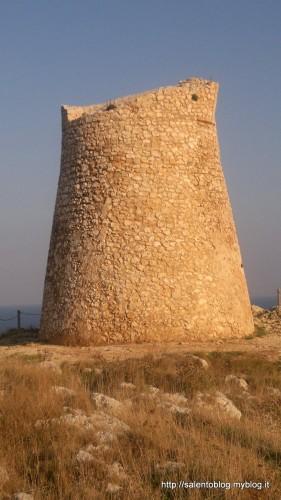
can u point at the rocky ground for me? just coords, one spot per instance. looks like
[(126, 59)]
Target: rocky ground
[(268, 319), (128, 421)]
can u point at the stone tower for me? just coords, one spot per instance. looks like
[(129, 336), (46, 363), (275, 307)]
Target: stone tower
[(143, 244)]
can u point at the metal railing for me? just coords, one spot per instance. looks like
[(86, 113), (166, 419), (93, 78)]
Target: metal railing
[(18, 317)]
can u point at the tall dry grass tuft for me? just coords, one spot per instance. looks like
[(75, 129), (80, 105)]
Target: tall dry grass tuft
[(160, 446)]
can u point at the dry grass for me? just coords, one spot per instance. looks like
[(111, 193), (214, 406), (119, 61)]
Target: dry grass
[(42, 460)]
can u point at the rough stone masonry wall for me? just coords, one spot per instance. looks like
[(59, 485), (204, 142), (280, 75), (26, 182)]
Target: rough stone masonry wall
[(143, 245)]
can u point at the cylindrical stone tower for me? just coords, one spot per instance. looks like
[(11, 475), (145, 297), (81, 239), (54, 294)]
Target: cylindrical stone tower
[(143, 245)]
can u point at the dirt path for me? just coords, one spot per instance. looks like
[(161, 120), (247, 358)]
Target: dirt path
[(26, 344)]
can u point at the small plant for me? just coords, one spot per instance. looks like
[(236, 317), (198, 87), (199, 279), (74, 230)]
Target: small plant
[(259, 331), (110, 105)]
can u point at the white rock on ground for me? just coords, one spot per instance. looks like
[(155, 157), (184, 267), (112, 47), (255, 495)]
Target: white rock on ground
[(96, 371), (110, 405), (97, 421), (218, 401), (23, 496), (84, 457), (105, 437), (97, 450), (128, 386), (174, 403), (89, 448), (152, 393), (113, 488), (257, 310), (87, 370), (63, 391), (153, 390), (77, 418), (227, 405), (238, 382), (174, 397), (201, 361), (116, 471), (273, 391), (170, 466)]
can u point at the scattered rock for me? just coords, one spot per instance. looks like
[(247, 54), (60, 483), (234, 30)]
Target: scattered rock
[(153, 390), (267, 319), (110, 405), (109, 423), (174, 398), (77, 418), (90, 448), (69, 409), (128, 386), (97, 421), (201, 361), (246, 395), (227, 405), (116, 471), (174, 403), (105, 437), (151, 393), (63, 391), (218, 401), (98, 371), (273, 391), (237, 382), (257, 310), (170, 467), (113, 488), (97, 450), (23, 496), (84, 457), (175, 410)]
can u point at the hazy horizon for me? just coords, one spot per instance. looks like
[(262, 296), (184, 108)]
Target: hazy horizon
[(90, 52)]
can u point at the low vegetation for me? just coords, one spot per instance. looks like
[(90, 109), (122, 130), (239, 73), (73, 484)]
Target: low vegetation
[(259, 331), (45, 455)]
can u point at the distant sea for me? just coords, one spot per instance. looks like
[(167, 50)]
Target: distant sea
[(30, 321), (9, 313), (266, 302)]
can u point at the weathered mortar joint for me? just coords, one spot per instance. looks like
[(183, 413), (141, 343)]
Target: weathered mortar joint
[(143, 245)]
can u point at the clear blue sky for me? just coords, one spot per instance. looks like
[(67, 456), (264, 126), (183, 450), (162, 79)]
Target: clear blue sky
[(55, 52)]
